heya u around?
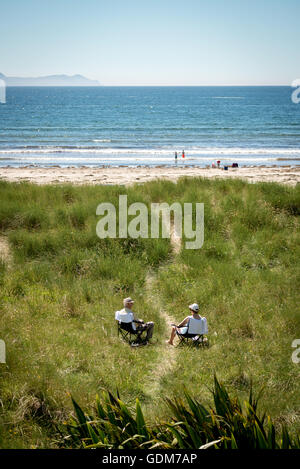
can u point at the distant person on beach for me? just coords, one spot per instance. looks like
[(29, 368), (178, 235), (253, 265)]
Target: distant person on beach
[(218, 163), (183, 326), (140, 324), (183, 154), (176, 156)]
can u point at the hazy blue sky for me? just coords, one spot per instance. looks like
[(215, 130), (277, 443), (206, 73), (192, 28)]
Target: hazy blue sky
[(153, 42)]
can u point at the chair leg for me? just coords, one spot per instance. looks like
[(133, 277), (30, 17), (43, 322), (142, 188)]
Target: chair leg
[(200, 342), (182, 340), (129, 337), (139, 340), (140, 336), (124, 335)]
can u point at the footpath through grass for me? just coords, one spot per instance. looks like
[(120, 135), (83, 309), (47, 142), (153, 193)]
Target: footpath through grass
[(60, 286)]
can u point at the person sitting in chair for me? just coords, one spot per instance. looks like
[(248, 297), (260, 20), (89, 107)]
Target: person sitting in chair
[(182, 328), (140, 324)]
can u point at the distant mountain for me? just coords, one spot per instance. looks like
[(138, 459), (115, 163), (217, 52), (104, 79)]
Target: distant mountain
[(51, 80)]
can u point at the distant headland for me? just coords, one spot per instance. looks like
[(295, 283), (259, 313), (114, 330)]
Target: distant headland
[(50, 80)]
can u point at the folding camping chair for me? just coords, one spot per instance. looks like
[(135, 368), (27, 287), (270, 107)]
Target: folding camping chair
[(127, 329), (195, 334)]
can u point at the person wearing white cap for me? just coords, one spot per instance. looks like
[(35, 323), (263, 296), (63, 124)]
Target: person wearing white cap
[(183, 326), (141, 325)]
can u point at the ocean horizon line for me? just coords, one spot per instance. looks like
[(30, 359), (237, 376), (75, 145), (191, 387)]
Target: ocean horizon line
[(155, 86)]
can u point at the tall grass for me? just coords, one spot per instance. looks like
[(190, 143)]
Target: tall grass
[(62, 284)]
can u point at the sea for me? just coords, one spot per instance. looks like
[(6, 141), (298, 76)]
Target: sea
[(145, 126)]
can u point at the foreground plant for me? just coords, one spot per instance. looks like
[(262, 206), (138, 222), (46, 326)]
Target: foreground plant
[(227, 425)]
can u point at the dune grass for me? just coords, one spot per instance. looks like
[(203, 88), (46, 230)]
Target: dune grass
[(62, 284), (227, 424)]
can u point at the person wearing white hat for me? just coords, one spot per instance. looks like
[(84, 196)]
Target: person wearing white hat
[(141, 325), (183, 326)]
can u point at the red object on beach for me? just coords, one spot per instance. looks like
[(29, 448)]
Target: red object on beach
[(183, 155), (218, 162)]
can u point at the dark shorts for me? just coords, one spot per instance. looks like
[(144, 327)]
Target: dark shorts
[(146, 326)]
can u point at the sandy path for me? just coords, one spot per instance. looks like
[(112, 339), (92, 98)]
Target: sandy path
[(167, 356), (5, 250), (175, 241), (126, 176)]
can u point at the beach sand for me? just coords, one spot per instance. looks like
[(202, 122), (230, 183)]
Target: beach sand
[(128, 175)]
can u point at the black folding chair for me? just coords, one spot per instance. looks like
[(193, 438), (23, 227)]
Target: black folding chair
[(192, 338), (133, 336)]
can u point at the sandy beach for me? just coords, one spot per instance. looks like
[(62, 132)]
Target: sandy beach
[(128, 175)]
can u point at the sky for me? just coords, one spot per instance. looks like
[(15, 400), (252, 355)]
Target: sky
[(153, 42)]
